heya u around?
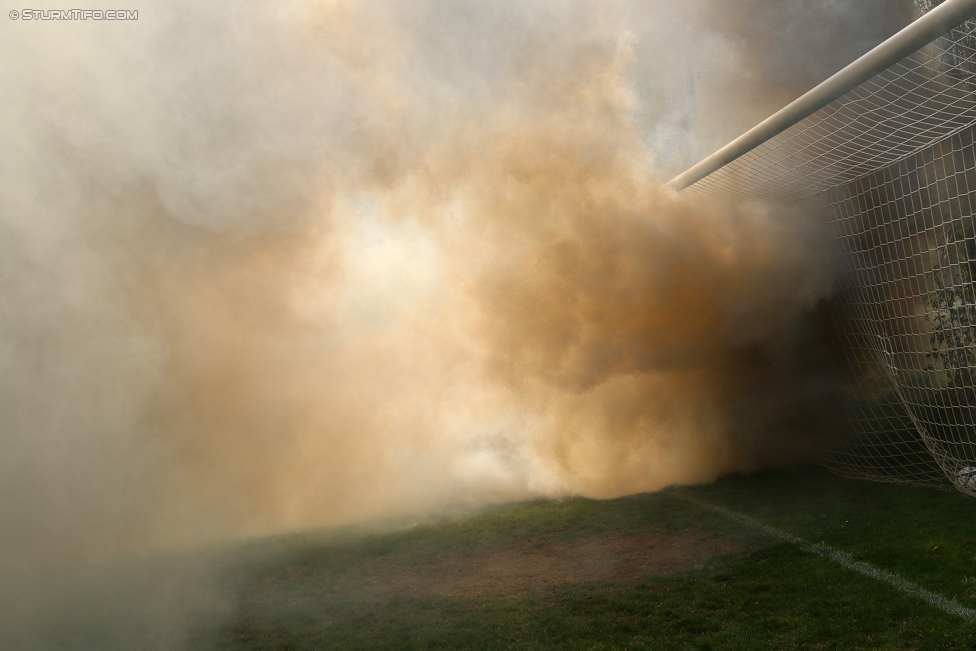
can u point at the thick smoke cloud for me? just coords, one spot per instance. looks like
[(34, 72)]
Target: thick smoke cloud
[(741, 62), (265, 268)]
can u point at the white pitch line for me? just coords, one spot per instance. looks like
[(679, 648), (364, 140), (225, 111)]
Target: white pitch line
[(841, 558)]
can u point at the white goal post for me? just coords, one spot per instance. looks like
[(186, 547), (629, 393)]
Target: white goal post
[(885, 152)]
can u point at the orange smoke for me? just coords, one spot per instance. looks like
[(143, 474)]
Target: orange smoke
[(434, 231)]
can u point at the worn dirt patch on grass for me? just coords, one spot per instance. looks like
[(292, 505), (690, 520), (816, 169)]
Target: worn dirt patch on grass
[(530, 566)]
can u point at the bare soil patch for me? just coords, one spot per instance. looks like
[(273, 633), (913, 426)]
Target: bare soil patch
[(531, 566)]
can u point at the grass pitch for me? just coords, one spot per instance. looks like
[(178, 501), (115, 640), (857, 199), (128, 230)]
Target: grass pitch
[(643, 572)]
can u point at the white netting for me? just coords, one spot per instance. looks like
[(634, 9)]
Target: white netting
[(891, 167), (915, 103)]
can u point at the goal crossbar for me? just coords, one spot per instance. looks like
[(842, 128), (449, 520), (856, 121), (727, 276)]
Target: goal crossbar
[(884, 153), (920, 33)]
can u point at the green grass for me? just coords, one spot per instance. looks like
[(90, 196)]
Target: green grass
[(314, 591)]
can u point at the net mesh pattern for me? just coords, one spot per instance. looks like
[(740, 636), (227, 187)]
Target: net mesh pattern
[(891, 168), (908, 316), (915, 103)]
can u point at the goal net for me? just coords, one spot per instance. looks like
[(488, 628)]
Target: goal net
[(889, 163)]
